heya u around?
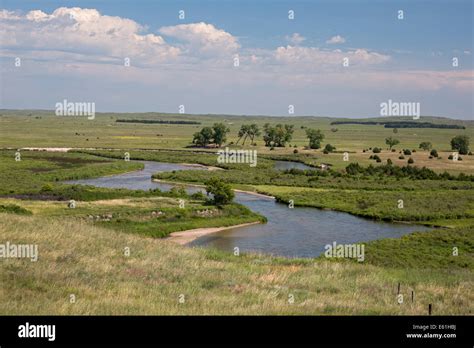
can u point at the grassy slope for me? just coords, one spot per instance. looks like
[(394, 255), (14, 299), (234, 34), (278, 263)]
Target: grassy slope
[(87, 261)]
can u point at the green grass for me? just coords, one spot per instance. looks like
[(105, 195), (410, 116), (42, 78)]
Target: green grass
[(89, 262), (420, 205), (424, 250), (81, 250), (39, 172), (149, 216), (27, 128)]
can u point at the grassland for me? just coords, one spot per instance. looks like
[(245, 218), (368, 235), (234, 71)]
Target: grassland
[(82, 249), (34, 185), (89, 262), (28, 128), (418, 206)]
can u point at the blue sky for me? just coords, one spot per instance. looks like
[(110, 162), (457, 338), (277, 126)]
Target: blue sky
[(282, 61)]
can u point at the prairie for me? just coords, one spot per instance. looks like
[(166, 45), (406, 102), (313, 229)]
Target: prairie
[(82, 250), (90, 263)]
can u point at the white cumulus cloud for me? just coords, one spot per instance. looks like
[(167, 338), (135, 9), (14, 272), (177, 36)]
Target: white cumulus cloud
[(338, 39), (295, 39), (203, 38)]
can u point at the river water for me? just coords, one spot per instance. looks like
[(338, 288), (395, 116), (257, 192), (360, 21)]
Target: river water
[(297, 232)]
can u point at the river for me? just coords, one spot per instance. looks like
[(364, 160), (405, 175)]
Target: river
[(297, 232)]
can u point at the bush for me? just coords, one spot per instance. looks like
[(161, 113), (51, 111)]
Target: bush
[(329, 148), (15, 209), (376, 150), (179, 191), (47, 188), (377, 158), (401, 157), (434, 153), (406, 152), (325, 151), (410, 160), (425, 145), (295, 151), (389, 162), (450, 157), (199, 196), (393, 150), (222, 192)]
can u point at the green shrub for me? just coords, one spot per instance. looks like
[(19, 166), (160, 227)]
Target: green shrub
[(15, 209)]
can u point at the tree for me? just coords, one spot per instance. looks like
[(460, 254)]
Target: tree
[(203, 137), (268, 134), (244, 131), (391, 142), (220, 133), (315, 137), (426, 145), (254, 131), (277, 136), (248, 131), (460, 143), (222, 193)]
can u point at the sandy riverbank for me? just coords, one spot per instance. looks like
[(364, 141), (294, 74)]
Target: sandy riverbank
[(185, 237)]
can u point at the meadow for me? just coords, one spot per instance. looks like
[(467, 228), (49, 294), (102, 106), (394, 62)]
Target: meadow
[(82, 249), (159, 277), (34, 185)]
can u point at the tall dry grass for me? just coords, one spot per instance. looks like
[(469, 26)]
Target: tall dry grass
[(89, 262)]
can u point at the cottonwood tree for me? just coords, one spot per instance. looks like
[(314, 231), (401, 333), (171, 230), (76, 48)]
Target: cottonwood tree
[(391, 142), (315, 137), (216, 135), (220, 133), (203, 137), (460, 143), (248, 131), (425, 145), (278, 135)]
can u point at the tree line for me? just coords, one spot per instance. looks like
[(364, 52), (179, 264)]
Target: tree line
[(281, 134)]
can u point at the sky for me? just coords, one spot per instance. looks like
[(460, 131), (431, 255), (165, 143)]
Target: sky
[(332, 58)]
